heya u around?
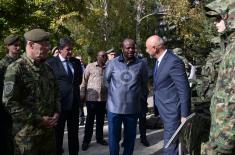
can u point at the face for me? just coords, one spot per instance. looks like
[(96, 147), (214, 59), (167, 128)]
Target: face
[(80, 58), (102, 57), (39, 50), (151, 50), (128, 50), (66, 51), (14, 48), (220, 26), (111, 55)]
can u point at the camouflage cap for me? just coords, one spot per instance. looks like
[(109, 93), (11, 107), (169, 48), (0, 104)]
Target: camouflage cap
[(177, 50), (110, 51), (217, 7), (11, 39), (223, 8), (37, 35)]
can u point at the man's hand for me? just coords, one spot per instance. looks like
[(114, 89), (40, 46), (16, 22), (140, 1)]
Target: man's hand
[(55, 119), (50, 122), (183, 119)]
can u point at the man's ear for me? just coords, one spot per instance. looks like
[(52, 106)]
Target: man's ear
[(30, 43), (6, 46)]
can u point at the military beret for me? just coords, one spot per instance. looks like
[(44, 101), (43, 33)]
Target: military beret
[(110, 50), (37, 35), (11, 39)]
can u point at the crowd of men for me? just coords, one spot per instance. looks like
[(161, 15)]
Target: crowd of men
[(40, 94)]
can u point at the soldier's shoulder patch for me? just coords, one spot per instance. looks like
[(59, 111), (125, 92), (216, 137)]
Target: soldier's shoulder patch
[(8, 87)]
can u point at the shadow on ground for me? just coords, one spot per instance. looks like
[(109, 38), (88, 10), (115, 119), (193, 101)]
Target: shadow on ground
[(154, 136)]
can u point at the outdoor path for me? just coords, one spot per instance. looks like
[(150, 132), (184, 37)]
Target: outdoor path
[(155, 138)]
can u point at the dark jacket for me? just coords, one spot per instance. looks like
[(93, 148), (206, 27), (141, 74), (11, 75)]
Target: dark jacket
[(69, 90), (171, 89)]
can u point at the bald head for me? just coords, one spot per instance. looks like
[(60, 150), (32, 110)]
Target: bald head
[(155, 46), (154, 41), (101, 53), (128, 41)]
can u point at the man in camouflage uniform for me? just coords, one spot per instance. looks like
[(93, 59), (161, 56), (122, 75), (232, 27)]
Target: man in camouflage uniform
[(12, 44), (209, 73), (31, 96), (189, 68), (179, 52), (222, 132)]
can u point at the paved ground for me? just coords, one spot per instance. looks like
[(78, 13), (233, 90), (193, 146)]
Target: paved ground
[(154, 137)]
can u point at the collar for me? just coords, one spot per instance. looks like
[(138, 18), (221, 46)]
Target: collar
[(62, 59), (35, 65), (96, 64), (161, 57), (10, 58), (122, 59)]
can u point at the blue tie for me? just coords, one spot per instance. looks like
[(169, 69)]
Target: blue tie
[(155, 69), (70, 73), (155, 72)]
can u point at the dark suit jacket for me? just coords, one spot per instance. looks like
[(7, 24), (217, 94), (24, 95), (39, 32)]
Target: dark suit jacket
[(69, 91), (171, 89)]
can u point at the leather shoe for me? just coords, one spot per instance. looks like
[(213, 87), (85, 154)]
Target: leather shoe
[(122, 144), (102, 142), (145, 142), (85, 146)]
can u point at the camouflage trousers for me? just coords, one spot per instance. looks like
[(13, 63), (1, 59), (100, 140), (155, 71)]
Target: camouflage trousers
[(36, 145), (206, 149)]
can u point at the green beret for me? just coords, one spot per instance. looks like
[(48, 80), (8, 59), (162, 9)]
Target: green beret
[(11, 39), (37, 35), (110, 51)]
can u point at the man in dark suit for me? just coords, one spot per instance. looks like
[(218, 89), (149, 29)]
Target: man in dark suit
[(171, 89), (68, 73)]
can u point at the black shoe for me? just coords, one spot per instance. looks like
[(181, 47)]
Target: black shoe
[(102, 142), (82, 123), (145, 142), (85, 146), (122, 144)]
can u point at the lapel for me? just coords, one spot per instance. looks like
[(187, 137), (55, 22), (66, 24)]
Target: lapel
[(161, 66), (74, 67), (61, 66)]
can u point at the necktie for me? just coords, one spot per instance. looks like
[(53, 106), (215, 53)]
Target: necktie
[(155, 73), (70, 74), (156, 68)]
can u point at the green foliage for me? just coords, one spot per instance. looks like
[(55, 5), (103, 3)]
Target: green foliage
[(95, 27), (18, 16), (190, 26)]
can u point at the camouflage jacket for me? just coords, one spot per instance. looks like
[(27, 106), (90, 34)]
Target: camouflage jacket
[(4, 63), (30, 92), (222, 134)]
